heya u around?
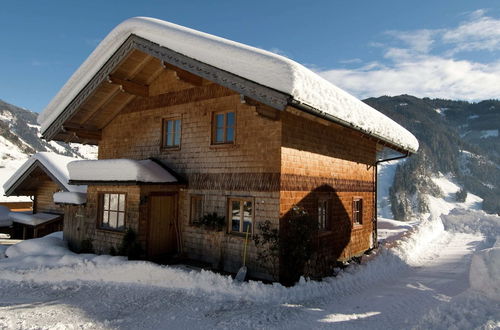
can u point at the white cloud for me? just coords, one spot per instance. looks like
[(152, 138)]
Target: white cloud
[(415, 69), (429, 76), (419, 41), (482, 33)]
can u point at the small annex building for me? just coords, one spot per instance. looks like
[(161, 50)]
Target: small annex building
[(44, 178), (192, 126)]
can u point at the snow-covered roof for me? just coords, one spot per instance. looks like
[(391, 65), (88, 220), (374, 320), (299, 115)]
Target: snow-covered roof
[(265, 68), (32, 219), (69, 197), (53, 164), (119, 170)]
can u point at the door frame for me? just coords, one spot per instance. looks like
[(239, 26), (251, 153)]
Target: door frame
[(176, 218)]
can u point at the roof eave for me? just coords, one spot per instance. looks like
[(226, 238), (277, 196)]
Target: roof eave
[(321, 114)]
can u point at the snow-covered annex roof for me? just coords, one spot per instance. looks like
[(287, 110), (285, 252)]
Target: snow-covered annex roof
[(54, 165), (304, 89), (119, 170)]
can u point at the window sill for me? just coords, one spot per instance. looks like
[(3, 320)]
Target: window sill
[(322, 233), (166, 149), (109, 230), (222, 145), (238, 234)]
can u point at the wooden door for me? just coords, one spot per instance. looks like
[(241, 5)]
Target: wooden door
[(162, 229)]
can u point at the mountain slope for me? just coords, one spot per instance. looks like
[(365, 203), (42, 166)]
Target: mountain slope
[(457, 138), (20, 138)]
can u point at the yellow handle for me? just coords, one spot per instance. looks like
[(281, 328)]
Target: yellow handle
[(245, 249)]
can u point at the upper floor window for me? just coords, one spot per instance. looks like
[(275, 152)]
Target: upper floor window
[(112, 211), (323, 214), (357, 211), (223, 127), (171, 133), (240, 215)]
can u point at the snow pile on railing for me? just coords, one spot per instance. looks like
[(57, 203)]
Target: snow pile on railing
[(257, 65), (68, 197), (32, 219)]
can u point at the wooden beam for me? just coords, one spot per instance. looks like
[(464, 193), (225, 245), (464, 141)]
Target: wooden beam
[(130, 87), (261, 109), (116, 111), (145, 61), (104, 101), (86, 134), (155, 74), (184, 75)]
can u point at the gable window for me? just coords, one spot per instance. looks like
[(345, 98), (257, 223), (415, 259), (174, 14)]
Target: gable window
[(357, 211), (223, 124), (323, 214), (112, 211), (196, 208), (240, 215), (171, 133)]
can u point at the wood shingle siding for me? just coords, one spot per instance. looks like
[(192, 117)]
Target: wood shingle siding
[(44, 201)]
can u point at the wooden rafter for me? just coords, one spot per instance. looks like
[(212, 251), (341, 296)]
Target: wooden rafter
[(138, 68), (86, 134), (184, 75), (116, 90), (116, 111), (129, 87), (155, 74)]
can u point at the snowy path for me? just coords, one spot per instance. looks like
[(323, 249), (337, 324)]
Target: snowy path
[(394, 301)]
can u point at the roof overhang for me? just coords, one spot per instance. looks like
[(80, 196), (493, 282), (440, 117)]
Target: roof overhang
[(263, 76), (18, 187), (91, 135)]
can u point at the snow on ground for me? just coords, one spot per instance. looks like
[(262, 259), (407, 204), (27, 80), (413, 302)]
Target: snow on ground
[(421, 277), (447, 203), (11, 158)]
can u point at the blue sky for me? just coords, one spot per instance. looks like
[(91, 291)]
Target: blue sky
[(370, 48)]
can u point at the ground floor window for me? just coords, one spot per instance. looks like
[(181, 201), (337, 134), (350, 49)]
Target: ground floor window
[(240, 215), (357, 211), (196, 208), (112, 211), (323, 214)]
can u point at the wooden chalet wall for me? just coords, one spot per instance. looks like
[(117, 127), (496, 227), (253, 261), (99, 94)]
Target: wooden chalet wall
[(44, 200), (325, 161), (279, 159), (248, 168)]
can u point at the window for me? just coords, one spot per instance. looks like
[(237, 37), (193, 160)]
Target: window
[(113, 211), (196, 208), (357, 211), (171, 133), (240, 215), (323, 214), (223, 127)]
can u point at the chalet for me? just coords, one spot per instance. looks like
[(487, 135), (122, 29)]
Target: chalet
[(41, 177), (188, 124)]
